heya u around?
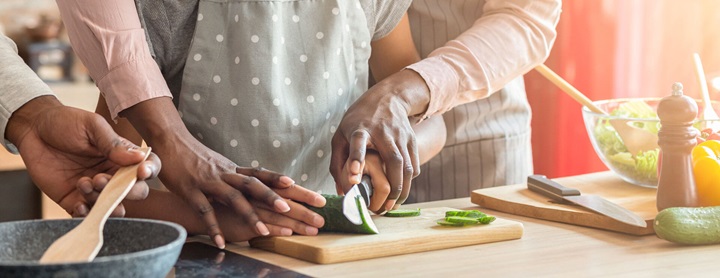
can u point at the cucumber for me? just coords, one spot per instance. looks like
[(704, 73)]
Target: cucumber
[(403, 213), (335, 220), (459, 218), (687, 225)]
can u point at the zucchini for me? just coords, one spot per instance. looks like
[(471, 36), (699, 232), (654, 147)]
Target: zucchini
[(403, 213), (335, 220), (459, 218), (688, 225)]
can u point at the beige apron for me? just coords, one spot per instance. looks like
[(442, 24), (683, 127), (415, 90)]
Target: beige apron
[(272, 93)]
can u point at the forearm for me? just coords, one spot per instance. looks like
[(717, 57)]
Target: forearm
[(157, 120), (430, 136), (20, 86), (511, 38), (163, 205), (109, 40)]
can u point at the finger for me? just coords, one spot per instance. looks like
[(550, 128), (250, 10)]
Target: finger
[(85, 185), (99, 181), (394, 168), (356, 155), (119, 211), (234, 198), (201, 205), (139, 191), (300, 194), (339, 156), (80, 210), (381, 190), (119, 150), (408, 174), (257, 190), (279, 230), (288, 221), (267, 177), (150, 168)]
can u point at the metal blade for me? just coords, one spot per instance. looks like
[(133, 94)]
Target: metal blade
[(366, 189), (607, 208), (350, 205)]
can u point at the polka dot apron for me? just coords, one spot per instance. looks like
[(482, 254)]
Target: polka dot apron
[(267, 82)]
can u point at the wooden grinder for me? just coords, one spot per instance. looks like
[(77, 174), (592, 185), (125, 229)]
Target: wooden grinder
[(676, 138)]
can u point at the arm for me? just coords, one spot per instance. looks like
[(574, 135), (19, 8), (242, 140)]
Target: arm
[(378, 119), (166, 206), (60, 144), (511, 38), (108, 38)]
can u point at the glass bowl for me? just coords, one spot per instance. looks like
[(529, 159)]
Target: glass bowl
[(640, 169)]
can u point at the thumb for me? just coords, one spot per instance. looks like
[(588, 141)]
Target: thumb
[(117, 149)]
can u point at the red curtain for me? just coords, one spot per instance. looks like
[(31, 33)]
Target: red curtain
[(612, 49)]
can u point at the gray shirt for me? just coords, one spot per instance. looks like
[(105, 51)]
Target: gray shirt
[(19, 85)]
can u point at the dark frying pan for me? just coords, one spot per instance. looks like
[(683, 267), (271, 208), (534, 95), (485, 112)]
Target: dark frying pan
[(132, 248)]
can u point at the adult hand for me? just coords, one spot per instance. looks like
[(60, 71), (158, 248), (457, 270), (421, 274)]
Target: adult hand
[(60, 145), (379, 120), (201, 176)]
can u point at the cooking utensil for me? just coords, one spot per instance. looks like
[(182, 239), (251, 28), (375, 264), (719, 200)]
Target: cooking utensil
[(708, 113), (557, 192), (399, 236), (83, 243), (363, 190), (636, 140), (133, 248)]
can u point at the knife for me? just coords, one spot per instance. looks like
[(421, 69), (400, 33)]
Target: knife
[(543, 185), (361, 191)]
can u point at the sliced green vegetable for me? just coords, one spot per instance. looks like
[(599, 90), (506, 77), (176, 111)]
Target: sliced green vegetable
[(457, 218), (403, 213), (462, 220), (335, 220), (443, 222)]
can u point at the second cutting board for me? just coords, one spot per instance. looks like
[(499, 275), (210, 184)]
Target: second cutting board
[(518, 200), (398, 236)]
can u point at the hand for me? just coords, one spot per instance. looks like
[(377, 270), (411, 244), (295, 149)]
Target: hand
[(379, 120), (199, 175), (381, 186), (166, 206), (60, 145), (298, 219)]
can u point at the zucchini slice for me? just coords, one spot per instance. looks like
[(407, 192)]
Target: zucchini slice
[(403, 213)]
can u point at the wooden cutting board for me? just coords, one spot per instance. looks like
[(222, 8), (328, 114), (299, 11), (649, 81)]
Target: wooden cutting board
[(398, 235), (517, 199)]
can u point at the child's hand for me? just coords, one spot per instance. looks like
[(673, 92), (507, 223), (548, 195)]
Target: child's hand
[(375, 168)]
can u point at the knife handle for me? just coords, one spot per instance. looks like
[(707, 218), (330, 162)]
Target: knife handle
[(541, 184)]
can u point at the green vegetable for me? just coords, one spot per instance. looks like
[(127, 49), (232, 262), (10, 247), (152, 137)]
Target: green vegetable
[(689, 225), (643, 166), (457, 218), (335, 220), (403, 213)]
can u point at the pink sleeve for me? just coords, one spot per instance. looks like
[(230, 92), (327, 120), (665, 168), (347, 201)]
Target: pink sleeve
[(108, 38), (511, 38)]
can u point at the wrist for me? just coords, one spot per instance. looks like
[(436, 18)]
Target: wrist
[(22, 120), (157, 120), (408, 89)]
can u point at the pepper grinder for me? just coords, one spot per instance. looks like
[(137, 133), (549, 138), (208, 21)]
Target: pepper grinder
[(676, 138)]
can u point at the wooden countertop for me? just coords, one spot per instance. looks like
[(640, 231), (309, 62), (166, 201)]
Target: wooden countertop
[(547, 249)]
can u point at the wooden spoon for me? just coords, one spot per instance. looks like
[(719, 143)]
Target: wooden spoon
[(83, 243), (636, 140), (708, 113)]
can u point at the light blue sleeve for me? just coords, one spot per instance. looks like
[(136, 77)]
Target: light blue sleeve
[(18, 85)]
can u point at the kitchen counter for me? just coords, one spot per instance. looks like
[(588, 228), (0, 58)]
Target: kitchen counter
[(546, 249)]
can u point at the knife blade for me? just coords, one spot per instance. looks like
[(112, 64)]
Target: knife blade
[(543, 185), (363, 191)]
